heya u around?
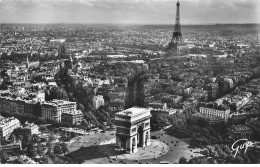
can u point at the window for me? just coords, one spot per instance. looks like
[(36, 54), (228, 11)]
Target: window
[(133, 130), (147, 124)]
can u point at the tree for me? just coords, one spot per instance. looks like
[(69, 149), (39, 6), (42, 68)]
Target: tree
[(182, 160), (212, 161), (40, 150), (64, 148), (35, 138), (31, 151), (52, 155), (63, 137), (4, 157), (202, 123), (205, 131), (49, 145), (81, 107), (57, 149), (106, 97), (51, 138), (85, 123), (238, 160), (206, 152), (158, 122), (45, 159)]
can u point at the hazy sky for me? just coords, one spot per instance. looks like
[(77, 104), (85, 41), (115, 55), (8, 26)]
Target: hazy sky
[(129, 11)]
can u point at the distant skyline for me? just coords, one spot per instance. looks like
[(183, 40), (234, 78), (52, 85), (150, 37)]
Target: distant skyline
[(129, 11)]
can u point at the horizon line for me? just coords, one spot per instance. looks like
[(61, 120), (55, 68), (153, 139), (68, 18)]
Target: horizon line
[(142, 23)]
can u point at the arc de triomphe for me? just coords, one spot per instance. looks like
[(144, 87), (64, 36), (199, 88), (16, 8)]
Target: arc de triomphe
[(132, 129)]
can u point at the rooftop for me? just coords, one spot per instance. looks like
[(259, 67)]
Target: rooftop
[(215, 106), (205, 116), (98, 97), (4, 121), (74, 112), (240, 128), (29, 125), (133, 111), (56, 102)]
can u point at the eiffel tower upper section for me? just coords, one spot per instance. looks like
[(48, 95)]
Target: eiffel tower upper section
[(177, 34)]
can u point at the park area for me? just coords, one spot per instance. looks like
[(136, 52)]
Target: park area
[(99, 149)]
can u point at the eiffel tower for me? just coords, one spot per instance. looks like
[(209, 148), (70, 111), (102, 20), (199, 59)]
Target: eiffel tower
[(177, 35)]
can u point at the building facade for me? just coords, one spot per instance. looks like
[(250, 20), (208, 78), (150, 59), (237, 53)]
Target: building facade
[(165, 112), (237, 132), (31, 128), (13, 147), (7, 126), (98, 101), (222, 112), (72, 117), (52, 110), (212, 89), (30, 107), (17, 105)]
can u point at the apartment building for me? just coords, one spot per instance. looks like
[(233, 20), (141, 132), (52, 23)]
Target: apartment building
[(7, 126), (52, 110), (98, 101)]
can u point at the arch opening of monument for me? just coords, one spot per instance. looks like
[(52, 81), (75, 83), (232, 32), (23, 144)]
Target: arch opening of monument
[(140, 133), (123, 142)]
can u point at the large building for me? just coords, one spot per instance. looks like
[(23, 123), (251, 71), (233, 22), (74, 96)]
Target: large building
[(18, 105), (237, 132), (7, 126), (157, 105), (5, 104), (132, 129), (52, 110), (212, 89), (32, 108), (98, 101), (116, 105), (210, 110), (236, 101), (31, 128), (165, 112), (72, 117), (13, 147)]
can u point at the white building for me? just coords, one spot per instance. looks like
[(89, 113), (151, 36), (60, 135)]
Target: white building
[(38, 97), (52, 110), (7, 126), (222, 112), (165, 112), (98, 101), (31, 128)]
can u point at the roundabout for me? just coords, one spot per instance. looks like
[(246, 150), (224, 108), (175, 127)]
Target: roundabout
[(100, 149), (156, 149)]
